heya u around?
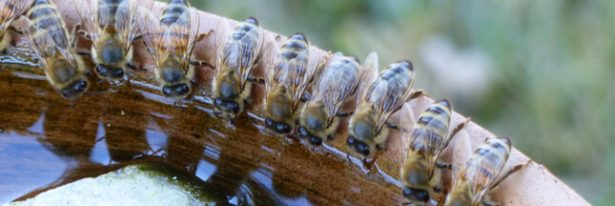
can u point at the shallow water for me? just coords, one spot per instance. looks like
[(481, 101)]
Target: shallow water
[(47, 141)]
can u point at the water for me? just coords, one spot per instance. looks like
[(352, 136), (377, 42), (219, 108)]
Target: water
[(47, 141)]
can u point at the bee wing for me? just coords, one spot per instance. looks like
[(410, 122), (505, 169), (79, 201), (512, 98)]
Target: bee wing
[(337, 84), (147, 25), (369, 73), (482, 171), (392, 99), (8, 16), (25, 27), (88, 14), (241, 54), (127, 17), (194, 20)]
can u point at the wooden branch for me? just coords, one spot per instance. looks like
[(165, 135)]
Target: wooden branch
[(533, 185)]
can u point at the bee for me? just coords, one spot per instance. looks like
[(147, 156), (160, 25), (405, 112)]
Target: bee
[(47, 32), (232, 83), (481, 173), (385, 95), (337, 83), (10, 11), (287, 82), (171, 46), (112, 30), (421, 170)]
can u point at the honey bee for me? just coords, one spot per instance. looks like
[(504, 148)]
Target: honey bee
[(171, 46), (10, 11), (384, 96), (232, 83), (47, 32), (337, 83), (421, 170), (480, 174), (112, 30), (287, 82)]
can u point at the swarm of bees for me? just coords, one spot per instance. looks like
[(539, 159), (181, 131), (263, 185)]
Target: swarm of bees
[(306, 94)]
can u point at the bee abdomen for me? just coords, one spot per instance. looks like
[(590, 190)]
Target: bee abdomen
[(400, 68), (46, 21), (174, 12), (110, 8)]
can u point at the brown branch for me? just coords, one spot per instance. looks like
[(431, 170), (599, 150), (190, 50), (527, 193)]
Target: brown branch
[(533, 185)]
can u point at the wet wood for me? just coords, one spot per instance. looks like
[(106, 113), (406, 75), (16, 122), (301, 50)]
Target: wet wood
[(139, 124)]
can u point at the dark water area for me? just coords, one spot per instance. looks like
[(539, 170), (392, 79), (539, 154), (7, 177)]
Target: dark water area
[(47, 141)]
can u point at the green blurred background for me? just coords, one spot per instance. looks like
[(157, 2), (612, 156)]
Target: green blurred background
[(540, 72)]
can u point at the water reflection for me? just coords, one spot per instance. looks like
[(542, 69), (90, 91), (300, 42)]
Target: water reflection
[(57, 141)]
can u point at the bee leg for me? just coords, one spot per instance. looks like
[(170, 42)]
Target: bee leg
[(488, 202), (391, 126), (516, 168), (305, 97), (200, 63), (457, 129), (134, 66), (417, 93), (15, 30), (443, 165), (344, 114), (256, 80)]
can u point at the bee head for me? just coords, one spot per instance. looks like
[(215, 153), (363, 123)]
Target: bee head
[(278, 127), (226, 109), (75, 89), (176, 91), (358, 145), (313, 121), (416, 195), (109, 72)]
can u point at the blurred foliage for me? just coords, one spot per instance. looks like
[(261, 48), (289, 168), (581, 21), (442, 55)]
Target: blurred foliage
[(549, 72)]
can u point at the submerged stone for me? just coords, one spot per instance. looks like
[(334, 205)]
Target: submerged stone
[(131, 185)]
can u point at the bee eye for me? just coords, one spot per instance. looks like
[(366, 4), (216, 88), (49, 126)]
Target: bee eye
[(362, 148), (218, 102), (269, 123), (350, 141), (75, 89), (80, 86), (102, 70), (233, 106), (303, 132), (416, 194), (117, 73), (283, 128), (167, 91), (315, 141), (182, 89)]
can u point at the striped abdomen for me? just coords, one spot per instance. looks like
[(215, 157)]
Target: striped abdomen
[(431, 129), (107, 11), (241, 48), (391, 85), (486, 163), (175, 24), (292, 62), (47, 22)]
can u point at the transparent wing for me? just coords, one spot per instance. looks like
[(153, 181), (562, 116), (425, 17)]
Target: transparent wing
[(88, 14), (387, 95), (242, 49), (338, 81), (8, 16), (369, 73), (147, 25)]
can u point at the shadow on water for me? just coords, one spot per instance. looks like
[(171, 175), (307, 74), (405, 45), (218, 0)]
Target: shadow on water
[(46, 142)]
